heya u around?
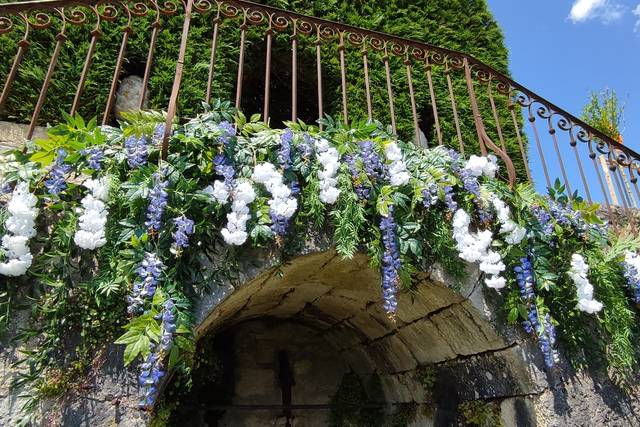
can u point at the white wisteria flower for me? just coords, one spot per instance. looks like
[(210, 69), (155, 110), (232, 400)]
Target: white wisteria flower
[(513, 232), (91, 224), (20, 226), (578, 273), (487, 166), (282, 204), (398, 174), (329, 158), (474, 247), (235, 232)]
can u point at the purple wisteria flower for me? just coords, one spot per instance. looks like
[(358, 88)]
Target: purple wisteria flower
[(362, 191), (391, 263), (284, 152), (5, 188), (95, 157), (158, 134), (56, 183), (136, 150), (152, 370), (144, 288), (184, 228), (544, 219), (373, 165), (430, 195), (452, 205), (633, 280), (544, 332), (228, 131), (305, 148), (157, 202)]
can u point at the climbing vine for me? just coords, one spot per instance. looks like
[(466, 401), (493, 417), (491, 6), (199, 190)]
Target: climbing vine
[(115, 244)]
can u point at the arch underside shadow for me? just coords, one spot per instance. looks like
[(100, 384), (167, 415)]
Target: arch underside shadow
[(335, 304)]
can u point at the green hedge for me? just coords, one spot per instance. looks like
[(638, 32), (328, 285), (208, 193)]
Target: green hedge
[(464, 25)]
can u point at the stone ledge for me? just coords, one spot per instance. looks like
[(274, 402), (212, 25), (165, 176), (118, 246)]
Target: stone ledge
[(12, 135)]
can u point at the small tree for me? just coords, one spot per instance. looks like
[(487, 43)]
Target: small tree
[(605, 113)]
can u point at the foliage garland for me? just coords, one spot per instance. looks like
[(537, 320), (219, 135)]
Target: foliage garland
[(158, 224)]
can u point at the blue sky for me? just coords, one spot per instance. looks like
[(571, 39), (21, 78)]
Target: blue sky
[(564, 49)]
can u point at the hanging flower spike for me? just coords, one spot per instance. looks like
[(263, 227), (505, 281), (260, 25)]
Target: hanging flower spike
[(91, 224), (430, 195), (158, 134), (144, 288), (137, 151), (95, 157), (284, 152), (544, 219), (56, 183), (329, 158), (157, 202), (578, 273), (20, 226), (228, 131), (168, 328), (631, 266), (391, 263), (151, 372), (545, 333), (281, 206), (514, 233), (305, 148), (452, 205), (235, 232), (362, 191), (184, 228), (398, 174)]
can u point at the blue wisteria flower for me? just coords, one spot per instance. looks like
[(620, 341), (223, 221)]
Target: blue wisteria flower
[(151, 372), (158, 134), (430, 195), (391, 263), (362, 191), (305, 147), (157, 202), (228, 131), (5, 188), (545, 332), (544, 219), (284, 152), (144, 288), (136, 150), (95, 157), (56, 183), (168, 328), (631, 269), (452, 205), (224, 168), (184, 228), (373, 165)]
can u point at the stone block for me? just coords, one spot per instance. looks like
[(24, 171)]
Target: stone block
[(425, 342)]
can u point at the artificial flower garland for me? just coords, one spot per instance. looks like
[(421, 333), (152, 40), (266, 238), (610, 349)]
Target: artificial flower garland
[(21, 227)]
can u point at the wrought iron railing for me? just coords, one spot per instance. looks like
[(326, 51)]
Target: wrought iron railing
[(467, 104)]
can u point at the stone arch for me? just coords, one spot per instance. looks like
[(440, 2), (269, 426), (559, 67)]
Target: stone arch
[(338, 303)]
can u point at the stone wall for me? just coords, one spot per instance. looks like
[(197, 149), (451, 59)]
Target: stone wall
[(331, 304)]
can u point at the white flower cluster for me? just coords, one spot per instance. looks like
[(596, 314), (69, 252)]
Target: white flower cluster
[(633, 260), (474, 247), (329, 158), (219, 191), (281, 205), (513, 232), (21, 227), (487, 166), (398, 174), (578, 273), (235, 233), (91, 234)]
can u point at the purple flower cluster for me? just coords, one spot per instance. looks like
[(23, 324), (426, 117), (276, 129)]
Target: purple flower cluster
[(305, 148), (184, 228), (5, 188), (567, 217), (452, 205), (373, 165), (158, 134), (144, 288), (157, 202), (152, 370), (545, 332), (279, 224), (430, 195), (136, 150), (284, 152), (362, 191), (633, 280), (390, 263), (56, 183), (95, 156), (543, 218), (228, 131)]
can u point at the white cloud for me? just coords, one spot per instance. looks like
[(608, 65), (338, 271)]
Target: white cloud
[(605, 10), (636, 12)]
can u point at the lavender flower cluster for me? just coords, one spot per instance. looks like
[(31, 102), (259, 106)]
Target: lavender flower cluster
[(373, 167), (56, 183), (228, 131), (95, 157), (153, 370), (137, 151), (157, 202), (391, 263), (144, 288), (184, 228), (631, 269), (362, 191), (545, 332), (284, 152)]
